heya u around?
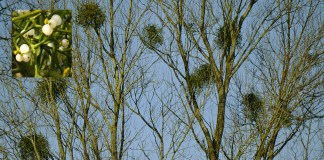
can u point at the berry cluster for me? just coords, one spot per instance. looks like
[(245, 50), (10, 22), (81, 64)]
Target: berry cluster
[(47, 29), (25, 53), (42, 40)]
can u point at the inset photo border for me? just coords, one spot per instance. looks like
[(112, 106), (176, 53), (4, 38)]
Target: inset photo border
[(41, 43)]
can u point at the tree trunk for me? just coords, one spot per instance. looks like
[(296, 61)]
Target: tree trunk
[(114, 154), (272, 144), (56, 118), (218, 134)]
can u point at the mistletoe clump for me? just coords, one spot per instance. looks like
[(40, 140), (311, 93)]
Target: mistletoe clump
[(201, 76), (49, 89), (32, 145), (91, 15), (224, 36), (253, 106), (152, 36)]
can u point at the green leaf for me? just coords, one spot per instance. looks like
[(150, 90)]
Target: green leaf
[(38, 37), (38, 51)]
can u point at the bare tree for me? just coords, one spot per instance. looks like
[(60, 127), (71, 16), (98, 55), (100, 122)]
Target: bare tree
[(287, 93), (214, 37), (163, 117), (291, 71), (117, 104), (109, 64)]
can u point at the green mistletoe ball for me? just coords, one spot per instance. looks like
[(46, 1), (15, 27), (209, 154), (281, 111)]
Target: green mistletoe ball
[(90, 15), (29, 151), (152, 36)]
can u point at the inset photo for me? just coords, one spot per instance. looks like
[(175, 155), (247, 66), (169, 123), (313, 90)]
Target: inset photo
[(41, 43)]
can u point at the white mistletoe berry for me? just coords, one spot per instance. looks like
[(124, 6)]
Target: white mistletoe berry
[(57, 18), (61, 48), (31, 32), (47, 30), (18, 74), (19, 58), (26, 57), (52, 23), (22, 12), (24, 48), (65, 43), (51, 44)]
